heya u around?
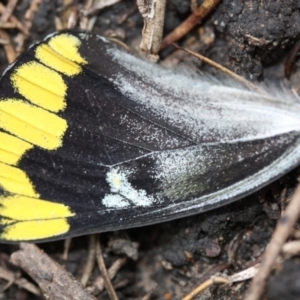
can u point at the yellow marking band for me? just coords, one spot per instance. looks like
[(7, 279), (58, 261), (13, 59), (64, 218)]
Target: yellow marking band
[(32, 124), (28, 123), (40, 85), (35, 230), (12, 148), (23, 208), (56, 61), (67, 45), (35, 218), (16, 181)]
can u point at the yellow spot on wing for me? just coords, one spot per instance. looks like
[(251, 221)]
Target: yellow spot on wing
[(23, 208), (12, 148), (16, 181), (56, 61), (67, 45), (40, 85), (35, 230), (25, 218), (32, 124)]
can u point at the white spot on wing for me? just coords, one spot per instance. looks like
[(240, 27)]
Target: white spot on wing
[(123, 194), (115, 201)]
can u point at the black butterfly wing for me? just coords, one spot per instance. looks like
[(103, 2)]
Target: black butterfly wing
[(140, 145)]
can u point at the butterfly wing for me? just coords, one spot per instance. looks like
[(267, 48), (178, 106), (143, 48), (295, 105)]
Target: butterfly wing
[(93, 139)]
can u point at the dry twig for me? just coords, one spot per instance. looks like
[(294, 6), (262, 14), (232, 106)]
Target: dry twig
[(223, 70), (67, 245), (109, 287), (283, 229), (54, 281), (291, 59), (213, 280), (13, 20), (8, 11), (23, 283), (112, 271), (153, 13), (8, 47), (91, 259), (149, 294), (32, 10), (194, 19)]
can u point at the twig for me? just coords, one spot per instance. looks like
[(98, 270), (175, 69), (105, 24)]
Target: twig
[(222, 69), (73, 18), (34, 7), (291, 249), (84, 20), (153, 13), (213, 280), (108, 285), (112, 271), (14, 20), (149, 294), (244, 274), (97, 5), (54, 281), (8, 11), (91, 259), (67, 244), (20, 282), (8, 47), (291, 59), (32, 10), (194, 19), (283, 230)]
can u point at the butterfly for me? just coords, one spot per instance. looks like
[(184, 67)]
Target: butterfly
[(93, 139)]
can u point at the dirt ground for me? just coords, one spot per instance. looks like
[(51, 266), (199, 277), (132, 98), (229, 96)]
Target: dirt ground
[(252, 38)]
